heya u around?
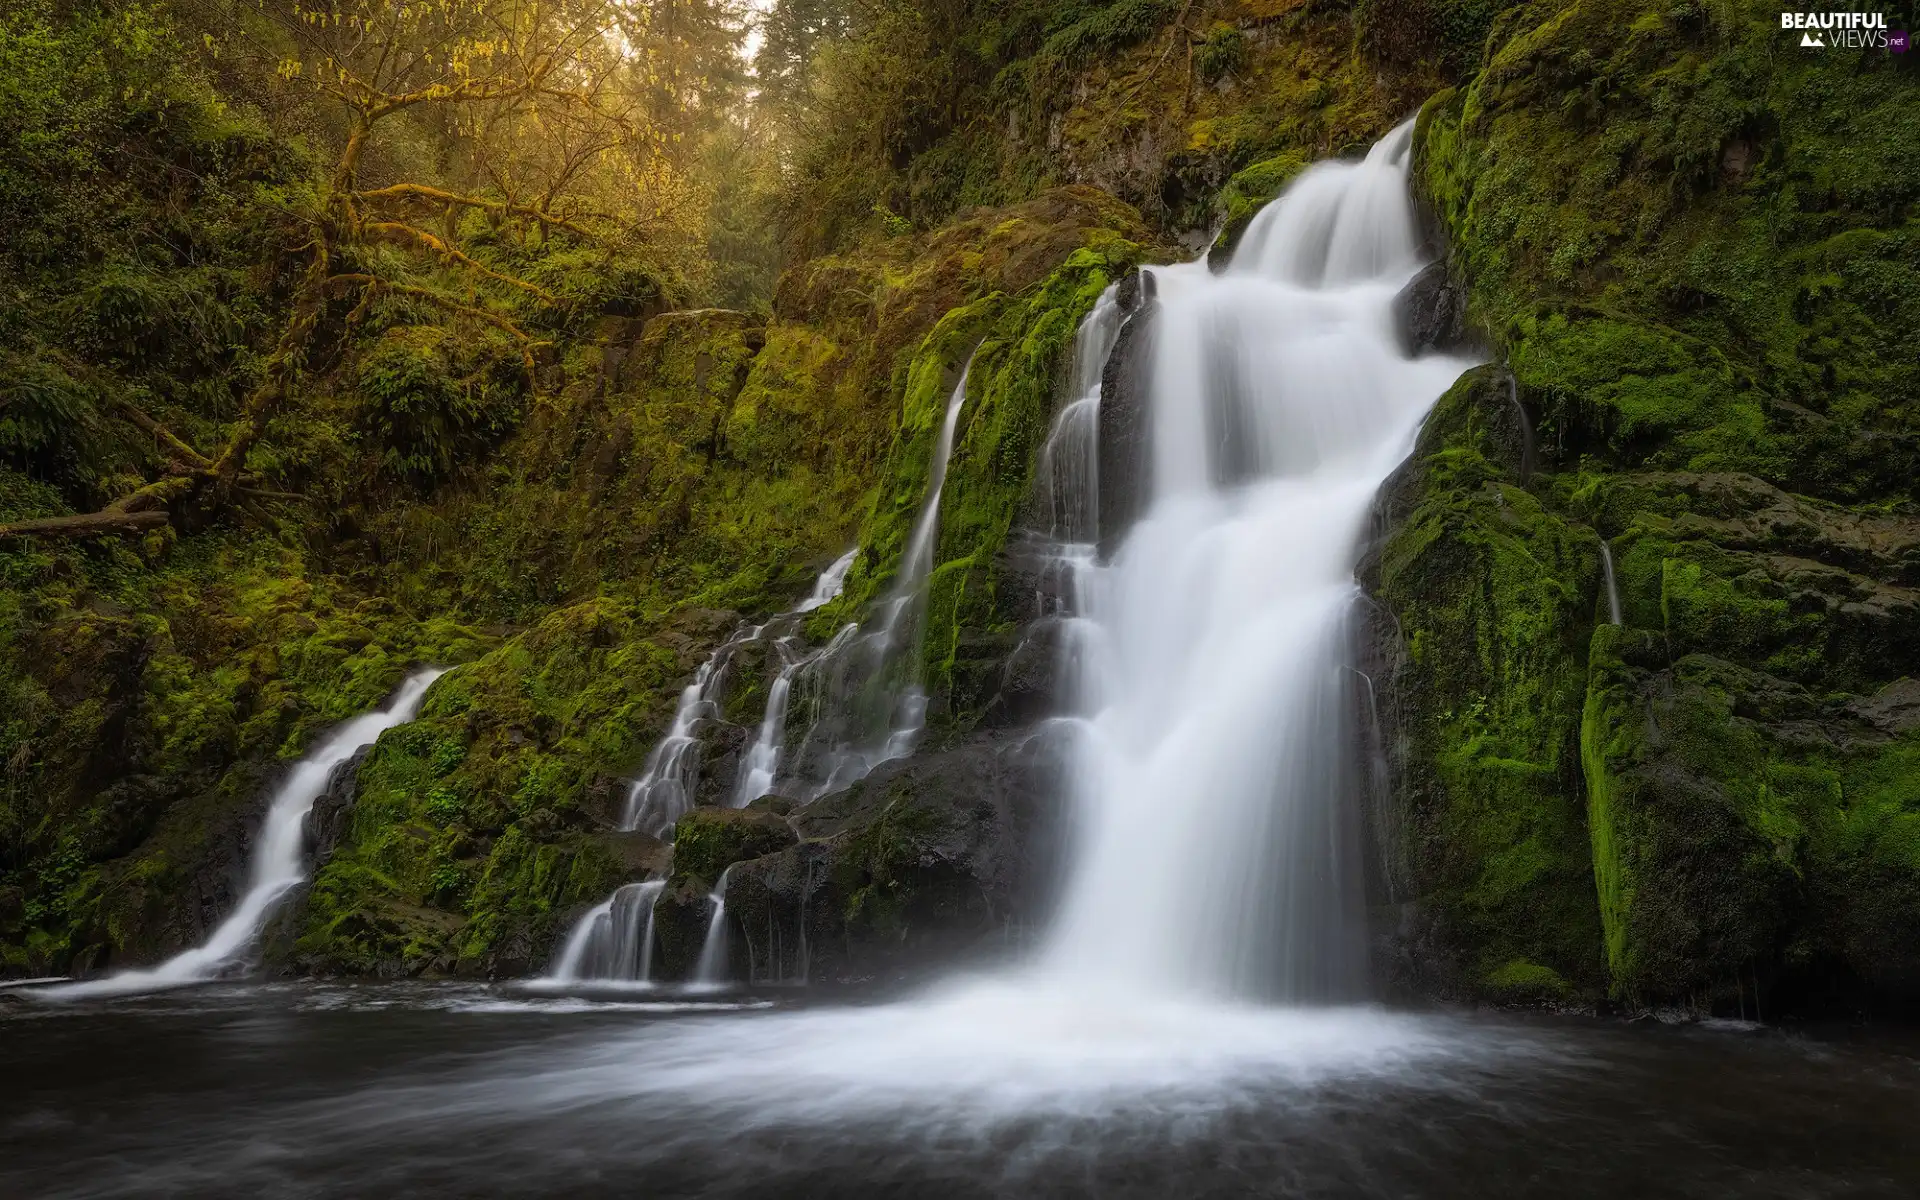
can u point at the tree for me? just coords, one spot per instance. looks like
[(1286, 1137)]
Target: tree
[(536, 83)]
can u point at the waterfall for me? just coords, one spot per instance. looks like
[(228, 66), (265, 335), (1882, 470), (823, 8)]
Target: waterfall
[(279, 856), (1070, 459), (666, 785), (762, 760), (1613, 589), (1215, 789), (711, 970), (614, 941), (863, 689), (826, 589)]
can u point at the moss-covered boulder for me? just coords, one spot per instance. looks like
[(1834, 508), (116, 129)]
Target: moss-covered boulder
[(1480, 668), (1689, 270)]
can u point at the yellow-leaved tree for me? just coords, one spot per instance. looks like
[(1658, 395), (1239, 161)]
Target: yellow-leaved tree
[(547, 98)]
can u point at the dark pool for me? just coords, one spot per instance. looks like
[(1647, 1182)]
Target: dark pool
[(980, 1089)]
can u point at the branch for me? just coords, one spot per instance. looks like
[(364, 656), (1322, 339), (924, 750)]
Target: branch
[(160, 433), (131, 514), (400, 231), (449, 304), (420, 191), (106, 522)]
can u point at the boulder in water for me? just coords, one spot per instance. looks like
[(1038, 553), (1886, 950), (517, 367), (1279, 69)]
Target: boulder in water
[(1430, 313)]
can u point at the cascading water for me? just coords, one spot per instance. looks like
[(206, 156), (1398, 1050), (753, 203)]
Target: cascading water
[(827, 588), (1070, 459), (1214, 767), (1216, 838), (613, 942), (666, 785), (711, 970), (279, 860), (863, 689), (1613, 589)]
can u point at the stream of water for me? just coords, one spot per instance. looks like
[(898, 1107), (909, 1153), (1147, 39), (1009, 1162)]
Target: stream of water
[(280, 860)]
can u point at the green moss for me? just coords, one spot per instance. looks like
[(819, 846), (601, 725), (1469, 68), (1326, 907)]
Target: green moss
[(1493, 594), (707, 841), (1249, 190), (1525, 981), (1683, 242)]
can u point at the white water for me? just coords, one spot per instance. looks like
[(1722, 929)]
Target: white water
[(666, 785), (614, 941), (1216, 842), (279, 857), (711, 970), (1613, 589), (863, 689), (762, 760), (1215, 809), (826, 589)]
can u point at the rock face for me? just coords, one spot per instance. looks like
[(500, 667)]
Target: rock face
[(935, 859), (1123, 414), (1430, 313), (1647, 698)]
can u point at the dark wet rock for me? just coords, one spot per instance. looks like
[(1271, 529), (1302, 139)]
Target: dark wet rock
[(1893, 709), (1430, 313), (1124, 416), (681, 916), (641, 854), (945, 856), (1030, 676), (332, 812), (721, 747)]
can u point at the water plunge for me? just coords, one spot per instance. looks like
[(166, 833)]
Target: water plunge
[(1216, 791), (279, 856)]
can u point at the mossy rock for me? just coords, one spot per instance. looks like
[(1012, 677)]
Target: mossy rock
[(707, 841)]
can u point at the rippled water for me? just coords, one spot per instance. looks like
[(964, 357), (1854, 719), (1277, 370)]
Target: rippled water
[(977, 1089)]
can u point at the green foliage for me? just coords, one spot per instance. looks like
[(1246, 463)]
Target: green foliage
[(1223, 54), (471, 836), (426, 421)]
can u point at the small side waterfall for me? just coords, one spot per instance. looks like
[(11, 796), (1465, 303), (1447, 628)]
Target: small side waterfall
[(863, 690), (762, 761), (827, 588), (711, 970), (1613, 589), (1070, 459), (666, 785), (279, 857), (613, 942)]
